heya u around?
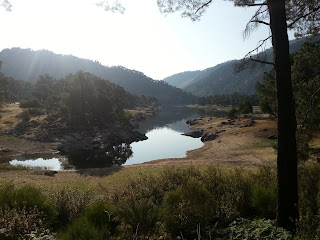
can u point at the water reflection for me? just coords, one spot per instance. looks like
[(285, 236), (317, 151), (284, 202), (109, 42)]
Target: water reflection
[(165, 141), (112, 156), (48, 161), (171, 117)]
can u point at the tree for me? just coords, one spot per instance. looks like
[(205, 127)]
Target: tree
[(6, 4), (245, 107), (303, 15)]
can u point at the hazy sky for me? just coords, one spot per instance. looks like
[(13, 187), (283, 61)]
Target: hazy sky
[(142, 38)]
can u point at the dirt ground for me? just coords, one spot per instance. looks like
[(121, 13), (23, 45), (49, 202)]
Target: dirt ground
[(238, 144)]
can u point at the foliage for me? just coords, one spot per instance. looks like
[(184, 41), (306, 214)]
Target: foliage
[(306, 82), (24, 116), (186, 208), (245, 107), (81, 229), (175, 202), (27, 198), (232, 113), (69, 204), (257, 229), (233, 99), (31, 103), (97, 222), (19, 223)]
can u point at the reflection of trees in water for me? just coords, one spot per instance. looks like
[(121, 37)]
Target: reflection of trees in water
[(166, 117), (175, 118), (112, 156)]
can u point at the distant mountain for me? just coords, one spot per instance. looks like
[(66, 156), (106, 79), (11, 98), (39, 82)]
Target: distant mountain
[(28, 65), (220, 79)]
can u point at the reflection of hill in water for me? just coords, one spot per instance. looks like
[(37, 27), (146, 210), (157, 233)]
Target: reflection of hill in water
[(175, 118), (172, 117)]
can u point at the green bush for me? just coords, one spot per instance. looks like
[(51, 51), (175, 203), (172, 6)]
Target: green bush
[(138, 217), (257, 229), (125, 117), (245, 107), (30, 103), (24, 116), (69, 204), (232, 113), (187, 208), (309, 201), (103, 217), (263, 198), (26, 197), (81, 229)]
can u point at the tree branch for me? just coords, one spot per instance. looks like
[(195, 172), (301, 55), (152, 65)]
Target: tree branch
[(260, 61), (262, 22), (303, 16), (310, 108), (259, 46), (203, 6)]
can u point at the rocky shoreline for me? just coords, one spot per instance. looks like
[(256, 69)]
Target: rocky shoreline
[(55, 137)]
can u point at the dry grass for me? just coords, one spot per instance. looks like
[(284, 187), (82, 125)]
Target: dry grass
[(237, 145), (8, 116)]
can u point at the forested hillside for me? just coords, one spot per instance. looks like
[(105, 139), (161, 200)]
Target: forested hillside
[(28, 65), (220, 79)]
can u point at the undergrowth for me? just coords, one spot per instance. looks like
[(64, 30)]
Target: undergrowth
[(178, 203)]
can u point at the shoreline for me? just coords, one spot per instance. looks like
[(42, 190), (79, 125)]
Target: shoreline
[(241, 142), (37, 140)]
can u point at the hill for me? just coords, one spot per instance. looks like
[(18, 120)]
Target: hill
[(28, 65), (220, 79)]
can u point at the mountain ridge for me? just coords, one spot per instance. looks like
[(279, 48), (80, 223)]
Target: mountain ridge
[(220, 78), (28, 65)]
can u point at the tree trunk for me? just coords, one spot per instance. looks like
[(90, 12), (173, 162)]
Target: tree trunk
[(287, 213)]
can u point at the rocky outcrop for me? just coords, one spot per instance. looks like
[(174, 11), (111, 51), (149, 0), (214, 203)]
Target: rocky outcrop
[(99, 138), (194, 134)]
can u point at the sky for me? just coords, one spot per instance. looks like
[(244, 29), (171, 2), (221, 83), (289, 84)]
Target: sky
[(141, 38)]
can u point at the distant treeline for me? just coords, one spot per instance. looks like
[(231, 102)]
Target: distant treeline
[(232, 99), (80, 99)]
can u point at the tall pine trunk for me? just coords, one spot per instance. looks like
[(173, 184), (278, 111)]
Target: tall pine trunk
[(287, 213)]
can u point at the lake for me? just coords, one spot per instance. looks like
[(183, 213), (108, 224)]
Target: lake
[(164, 141)]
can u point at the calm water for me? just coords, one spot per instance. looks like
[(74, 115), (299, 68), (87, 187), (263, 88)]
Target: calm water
[(164, 141)]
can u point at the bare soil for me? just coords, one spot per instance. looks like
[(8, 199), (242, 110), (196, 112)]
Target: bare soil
[(239, 144)]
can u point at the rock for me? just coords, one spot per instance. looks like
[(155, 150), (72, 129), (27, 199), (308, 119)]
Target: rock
[(209, 137), (193, 122), (194, 134), (50, 173)]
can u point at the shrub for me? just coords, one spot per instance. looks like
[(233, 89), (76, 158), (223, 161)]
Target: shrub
[(187, 208), (245, 107), (81, 229), (27, 198), (30, 103), (257, 229), (139, 217), (24, 116), (70, 204), (309, 201), (232, 113), (103, 217), (125, 117), (19, 223)]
